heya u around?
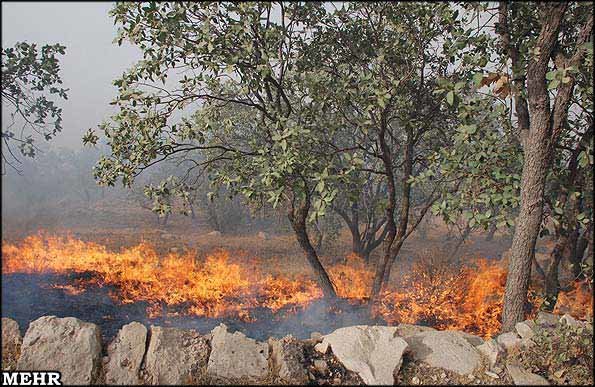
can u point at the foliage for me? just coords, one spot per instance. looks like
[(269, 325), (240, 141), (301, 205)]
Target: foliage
[(30, 77), (564, 355), (261, 135)]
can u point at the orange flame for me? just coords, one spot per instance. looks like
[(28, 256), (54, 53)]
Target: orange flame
[(440, 295)]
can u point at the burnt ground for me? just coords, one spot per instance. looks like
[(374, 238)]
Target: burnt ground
[(26, 297)]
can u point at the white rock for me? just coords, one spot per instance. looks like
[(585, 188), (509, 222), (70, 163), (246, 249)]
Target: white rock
[(472, 339), (235, 356), (125, 355), (214, 234), (445, 349), (492, 375), (262, 235), (68, 345), (322, 347), (508, 340), (522, 377), (525, 329), (546, 319), (373, 352), (491, 350), (406, 330), (175, 356), (571, 321), (11, 343)]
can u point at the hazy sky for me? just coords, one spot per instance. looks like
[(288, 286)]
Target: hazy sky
[(91, 61)]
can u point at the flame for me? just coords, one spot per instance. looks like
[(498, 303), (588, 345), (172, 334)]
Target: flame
[(352, 278), (434, 293), (216, 287)]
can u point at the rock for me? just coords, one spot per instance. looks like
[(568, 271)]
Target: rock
[(322, 347), (175, 356), (167, 236), (406, 330), (235, 356), (262, 235), (287, 357), (472, 339), (373, 352), (492, 375), (508, 340), (445, 349), (491, 350), (214, 234), (68, 345), (316, 336), (545, 319), (527, 343), (11, 344), (522, 377), (321, 366), (125, 355), (415, 380), (571, 321), (525, 329), (336, 381)]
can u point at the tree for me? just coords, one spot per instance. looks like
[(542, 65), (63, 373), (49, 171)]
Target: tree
[(29, 77), (544, 47), (384, 63), (231, 56), (540, 125), (361, 203)]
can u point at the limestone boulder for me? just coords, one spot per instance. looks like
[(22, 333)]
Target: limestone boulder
[(570, 321), (373, 352), (235, 356), (509, 340), (491, 350), (175, 356), (445, 349), (287, 357), (545, 319), (68, 345), (125, 355), (406, 330), (11, 344), (522, 377), (525, 329), (472, 339)]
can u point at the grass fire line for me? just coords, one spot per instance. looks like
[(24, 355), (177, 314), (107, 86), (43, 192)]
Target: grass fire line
[(468, 298)]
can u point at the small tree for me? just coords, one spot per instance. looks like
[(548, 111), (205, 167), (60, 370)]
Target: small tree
[(29, 77)]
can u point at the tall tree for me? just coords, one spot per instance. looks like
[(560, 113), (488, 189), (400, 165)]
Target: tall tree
[(242, 101), (540, 123)]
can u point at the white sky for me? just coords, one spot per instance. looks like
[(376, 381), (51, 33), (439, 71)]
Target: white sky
[(91, 62)]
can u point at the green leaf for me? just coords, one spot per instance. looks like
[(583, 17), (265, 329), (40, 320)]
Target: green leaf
[(450, 97)]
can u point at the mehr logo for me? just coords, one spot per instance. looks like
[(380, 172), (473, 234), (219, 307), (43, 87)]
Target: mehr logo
[(31, 378)]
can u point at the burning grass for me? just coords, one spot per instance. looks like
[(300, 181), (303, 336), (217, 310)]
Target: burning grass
[(435, 292)]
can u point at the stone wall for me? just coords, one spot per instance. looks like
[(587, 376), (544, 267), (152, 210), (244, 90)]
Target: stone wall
[(351, 355)]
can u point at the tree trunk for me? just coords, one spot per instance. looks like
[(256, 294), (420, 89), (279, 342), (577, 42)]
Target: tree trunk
[(537, 151), (491, 232), (297, 217), (389, 213), (391, 252)]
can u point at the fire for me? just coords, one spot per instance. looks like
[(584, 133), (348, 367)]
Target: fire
[(467, 298), (352, 279), (434, 292), (214, 288)]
